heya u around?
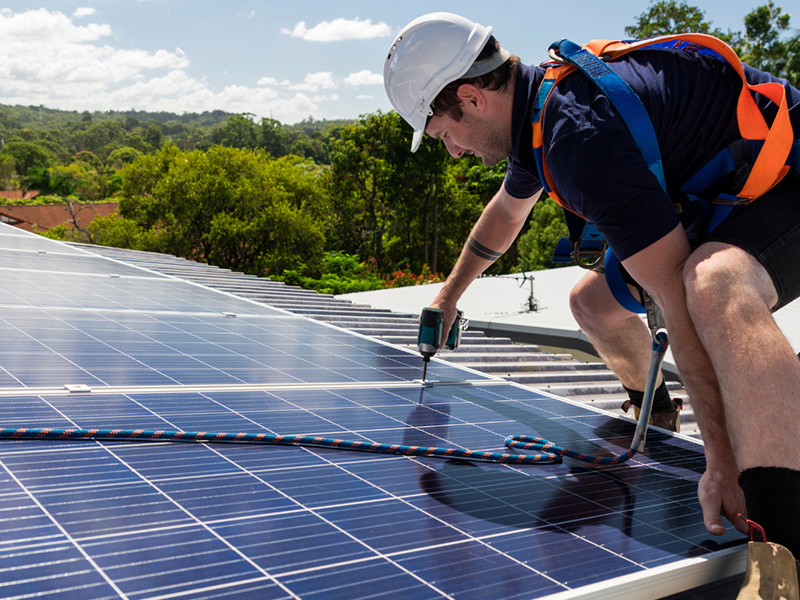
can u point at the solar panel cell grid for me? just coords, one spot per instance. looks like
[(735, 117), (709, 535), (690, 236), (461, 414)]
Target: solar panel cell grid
[(128, 519)]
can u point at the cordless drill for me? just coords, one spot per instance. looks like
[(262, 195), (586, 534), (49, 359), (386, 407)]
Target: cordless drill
[(431, 323)]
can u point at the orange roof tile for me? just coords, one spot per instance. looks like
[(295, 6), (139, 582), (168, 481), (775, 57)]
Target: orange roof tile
[(43, 217)]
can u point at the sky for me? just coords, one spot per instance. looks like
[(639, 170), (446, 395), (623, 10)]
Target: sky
[(287, 60)]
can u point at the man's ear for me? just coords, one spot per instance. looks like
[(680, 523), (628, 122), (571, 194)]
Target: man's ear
[(472, 97)]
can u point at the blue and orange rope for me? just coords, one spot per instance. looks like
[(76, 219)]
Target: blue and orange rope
[(549, 452)]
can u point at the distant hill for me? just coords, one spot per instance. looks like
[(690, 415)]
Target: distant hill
[(41, 117), (38, 117)]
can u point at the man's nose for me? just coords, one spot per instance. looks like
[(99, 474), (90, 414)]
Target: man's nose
[(454, 149)]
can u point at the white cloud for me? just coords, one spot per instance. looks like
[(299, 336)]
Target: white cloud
[(47, 27), (50, 60), (365, 77), (315, 81), (339, 30), (83, 11)]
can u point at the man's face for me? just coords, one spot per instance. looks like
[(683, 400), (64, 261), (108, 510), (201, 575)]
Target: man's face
[(489, 140)]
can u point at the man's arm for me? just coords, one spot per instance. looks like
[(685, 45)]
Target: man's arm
[(659, 269), (492, 235)]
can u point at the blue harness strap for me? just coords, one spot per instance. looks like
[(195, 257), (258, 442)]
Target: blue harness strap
[(619, 287), (723, 164)]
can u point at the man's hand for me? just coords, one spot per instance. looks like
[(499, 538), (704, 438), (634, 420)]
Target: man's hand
[(720, 496), (450, 311)]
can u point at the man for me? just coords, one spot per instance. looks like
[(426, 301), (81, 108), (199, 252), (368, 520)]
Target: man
[(449, 78)]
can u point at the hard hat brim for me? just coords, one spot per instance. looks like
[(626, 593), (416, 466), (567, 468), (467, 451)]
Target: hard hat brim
[(416, 140)]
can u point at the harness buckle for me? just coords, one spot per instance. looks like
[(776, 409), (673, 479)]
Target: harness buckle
[(588, 257), (730, 200), (554, 53)]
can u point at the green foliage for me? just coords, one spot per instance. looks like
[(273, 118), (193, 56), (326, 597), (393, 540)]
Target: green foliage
[(118, 232), (547, 226), (344, 273), (396, 206), (234, 208), (341, 274), (122, 156), (27, 155), (765, 46), (665, 17)]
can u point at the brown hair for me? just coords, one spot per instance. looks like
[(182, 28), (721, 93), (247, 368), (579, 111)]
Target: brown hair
[(448, 102)]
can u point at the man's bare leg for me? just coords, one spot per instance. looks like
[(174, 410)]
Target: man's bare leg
[(624, 342), (620, 337), (730, 296)]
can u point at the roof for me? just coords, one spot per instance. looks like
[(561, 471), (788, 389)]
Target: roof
[(321, 307), (42, 217), (493, 300), (113, 336), (499, 306), (18, 194)]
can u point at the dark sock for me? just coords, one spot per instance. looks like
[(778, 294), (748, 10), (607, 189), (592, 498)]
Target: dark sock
[(772, 496), (661, 399)]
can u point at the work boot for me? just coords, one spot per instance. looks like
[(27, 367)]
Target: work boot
[(771, 571), (666, 419)]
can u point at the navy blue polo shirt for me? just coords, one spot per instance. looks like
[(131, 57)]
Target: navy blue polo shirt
[(597, 168)]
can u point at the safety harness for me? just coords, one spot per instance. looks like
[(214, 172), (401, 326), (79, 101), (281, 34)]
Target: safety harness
[(772, 147)]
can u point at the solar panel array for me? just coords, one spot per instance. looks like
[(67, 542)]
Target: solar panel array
[(93, 343)]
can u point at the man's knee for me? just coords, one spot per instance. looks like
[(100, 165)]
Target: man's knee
[(589, 299), (719, 278), (580, 302), (594, 306)]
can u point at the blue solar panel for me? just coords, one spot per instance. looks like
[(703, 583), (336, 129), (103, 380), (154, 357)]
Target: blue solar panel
[(100, 519)]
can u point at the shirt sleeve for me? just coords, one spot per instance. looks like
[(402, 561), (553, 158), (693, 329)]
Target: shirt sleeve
[(520, 182)]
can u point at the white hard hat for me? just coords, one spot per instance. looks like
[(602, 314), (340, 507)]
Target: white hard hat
[(429, 53)]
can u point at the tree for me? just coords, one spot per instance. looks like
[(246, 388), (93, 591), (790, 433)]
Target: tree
[(273, 138), (6, 171), (392, 205), (122, 156), (27, 156), (547, 226), (665, 17), (235, 208), (239, 131), (154, 136), (762, 45)]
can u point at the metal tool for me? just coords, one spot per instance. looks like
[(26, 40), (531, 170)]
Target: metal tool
[(655, 322), (429, 340)]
